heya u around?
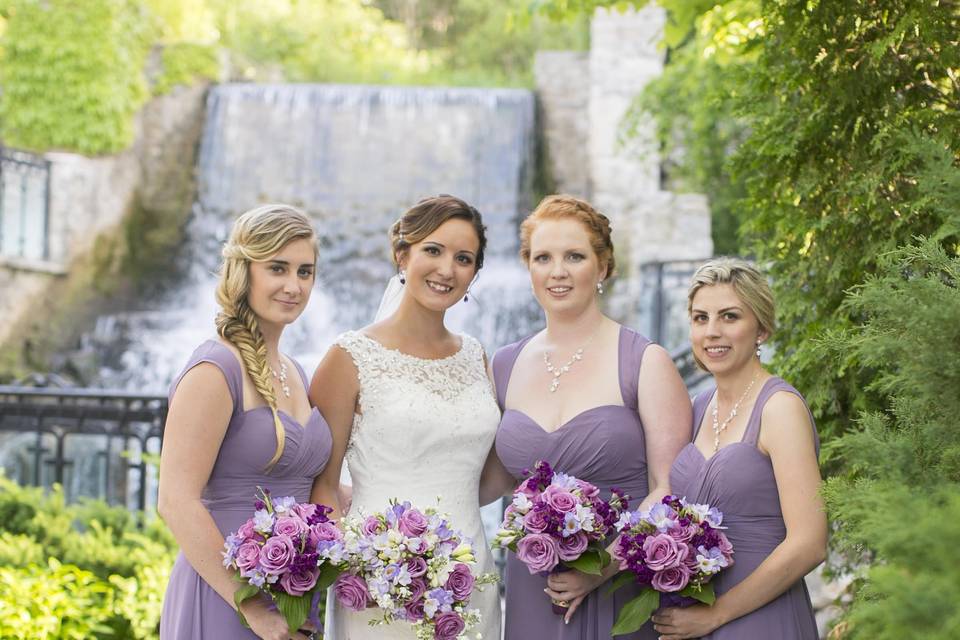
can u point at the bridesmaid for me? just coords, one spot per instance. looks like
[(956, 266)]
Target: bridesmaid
[(591, 397), (239, 418), (754, 457)]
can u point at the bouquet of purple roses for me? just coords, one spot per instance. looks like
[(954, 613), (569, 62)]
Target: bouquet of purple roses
[(276, 552), (556, 519), (412, 565), (675, 548)]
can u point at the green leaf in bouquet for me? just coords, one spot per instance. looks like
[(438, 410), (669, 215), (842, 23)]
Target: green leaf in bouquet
[(636, 612), (245, 592), (591, 561), (623, 578), (294, 608), (703, 593), (328, 575)]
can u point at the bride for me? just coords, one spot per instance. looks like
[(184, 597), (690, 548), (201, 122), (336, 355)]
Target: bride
[(409, 403)]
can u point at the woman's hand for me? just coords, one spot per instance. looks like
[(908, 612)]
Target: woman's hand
[(571, 587), (266, 622), (674, 623)]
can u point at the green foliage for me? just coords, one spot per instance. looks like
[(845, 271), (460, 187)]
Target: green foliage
[(903, 461), (72, 73), (184, 63), (113, 567)]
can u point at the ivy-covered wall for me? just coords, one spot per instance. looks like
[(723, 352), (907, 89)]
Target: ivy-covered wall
[(72, 74)]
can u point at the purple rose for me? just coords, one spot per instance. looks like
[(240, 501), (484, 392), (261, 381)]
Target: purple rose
[(418, 587), (351, 592), (297, 583), (412, 523), (248, 555), (535, 521), (538, 551), (672, 579), (529, 488), (448, 626), (372, 525), (559, 499), (304, 510), (684, 532), (414, 609), (725, 547), (324, 532), (572, 547), (291, 526), (588, 490), (460, 582), (277, 554), (416, 566), (663, 552)]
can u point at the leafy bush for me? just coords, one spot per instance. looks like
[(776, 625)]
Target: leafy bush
[(87, 569), (72, 73), (184, 63)]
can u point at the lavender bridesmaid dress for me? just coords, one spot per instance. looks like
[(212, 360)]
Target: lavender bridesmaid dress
[(603, 445), (191, 608), (739, 481)]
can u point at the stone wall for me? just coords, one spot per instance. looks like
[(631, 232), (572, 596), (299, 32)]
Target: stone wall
[(584, 98), (90, 197)]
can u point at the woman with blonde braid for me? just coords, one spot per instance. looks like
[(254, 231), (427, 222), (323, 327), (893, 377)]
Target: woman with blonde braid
[(239, 417)]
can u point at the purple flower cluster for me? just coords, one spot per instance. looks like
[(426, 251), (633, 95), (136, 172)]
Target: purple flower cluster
[(276, 549), (555, 517), (674, 545), (412, 565)]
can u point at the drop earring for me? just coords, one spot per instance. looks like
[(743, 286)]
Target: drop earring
[(600, 287), (758, 349), (403, 277), (466, 296)]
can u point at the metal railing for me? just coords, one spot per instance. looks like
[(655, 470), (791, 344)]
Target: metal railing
[(94, 442)]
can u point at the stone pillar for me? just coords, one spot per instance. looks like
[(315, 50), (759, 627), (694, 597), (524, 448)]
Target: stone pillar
[(563, 92)]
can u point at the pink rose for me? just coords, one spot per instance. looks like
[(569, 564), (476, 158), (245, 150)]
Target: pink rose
[(672, 579), (448, 626), (297, 583), (589, 491), (372, 525), (538, 551), (277, 554), (535, 521), (460, 582), (572, 547), (351, 592), (248, 555), (682, 533), (663, 552), (412, 523), (725, 547), (559, 499), (304, 510), (291, 526), (247, 532)]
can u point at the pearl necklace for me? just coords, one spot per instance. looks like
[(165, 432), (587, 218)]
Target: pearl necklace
[(282, 377), (719, 427)]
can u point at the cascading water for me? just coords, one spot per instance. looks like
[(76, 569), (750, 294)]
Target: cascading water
[(354, 158)]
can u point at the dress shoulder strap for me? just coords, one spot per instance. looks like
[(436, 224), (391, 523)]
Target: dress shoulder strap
[(502, 365), (632, 346), (219, 355), (700, 404), (770, 387), (303, 374)]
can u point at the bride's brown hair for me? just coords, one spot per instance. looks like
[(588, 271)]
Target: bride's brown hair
[(426, 216)]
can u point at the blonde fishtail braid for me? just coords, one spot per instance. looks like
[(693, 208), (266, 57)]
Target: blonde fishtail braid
[(242, 330)]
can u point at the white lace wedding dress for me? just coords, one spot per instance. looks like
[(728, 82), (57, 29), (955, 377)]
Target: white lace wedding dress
[(425, 432)]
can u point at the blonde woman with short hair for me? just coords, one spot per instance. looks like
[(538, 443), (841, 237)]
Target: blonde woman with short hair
[(239, 418)]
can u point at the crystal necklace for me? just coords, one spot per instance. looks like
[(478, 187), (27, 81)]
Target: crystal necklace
[(719, 427), (562, 369), (282, 377)]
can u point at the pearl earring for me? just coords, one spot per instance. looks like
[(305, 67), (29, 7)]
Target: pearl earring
[(403, 277), (600, 287), (758, 348)]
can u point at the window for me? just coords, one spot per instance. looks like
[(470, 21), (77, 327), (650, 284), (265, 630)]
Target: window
[(24, 212)]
